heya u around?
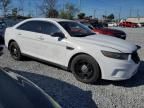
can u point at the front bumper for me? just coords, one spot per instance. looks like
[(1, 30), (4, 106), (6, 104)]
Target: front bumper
[(113, 69), (122, 73)]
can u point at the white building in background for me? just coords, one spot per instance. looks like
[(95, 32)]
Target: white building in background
[(135, 19)]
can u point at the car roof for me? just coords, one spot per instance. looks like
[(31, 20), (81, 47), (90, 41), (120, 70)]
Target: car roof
[(43, 19), (50, 19)]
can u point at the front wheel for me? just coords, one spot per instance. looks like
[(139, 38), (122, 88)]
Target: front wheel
[(15, 51), (85, 69)]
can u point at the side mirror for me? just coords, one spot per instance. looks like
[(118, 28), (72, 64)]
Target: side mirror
[(58, 34)]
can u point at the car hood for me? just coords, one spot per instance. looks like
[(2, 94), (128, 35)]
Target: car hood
[(107, 41)]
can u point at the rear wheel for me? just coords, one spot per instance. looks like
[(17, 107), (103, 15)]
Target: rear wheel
[(85, 69), (15, 51)]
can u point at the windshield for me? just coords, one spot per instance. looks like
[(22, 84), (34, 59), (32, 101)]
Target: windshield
[(88, 25), (76, 29)]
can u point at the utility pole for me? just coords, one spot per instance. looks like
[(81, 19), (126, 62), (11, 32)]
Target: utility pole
[(119, 14), (105, 12), (138, 16), (36, 12), (138, 13), (79, 6), (94, 14), (22, 6), (130, 13), (64, 2), (63, 5), (36, 9), (30, 9)]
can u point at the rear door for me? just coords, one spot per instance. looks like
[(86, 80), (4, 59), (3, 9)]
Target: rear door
[(29, 38)]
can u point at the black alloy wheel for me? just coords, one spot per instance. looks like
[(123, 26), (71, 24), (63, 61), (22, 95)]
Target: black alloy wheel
[(15, 51), (85, 69)]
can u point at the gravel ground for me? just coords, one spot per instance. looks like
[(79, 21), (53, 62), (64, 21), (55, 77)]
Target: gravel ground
[(70, 93)]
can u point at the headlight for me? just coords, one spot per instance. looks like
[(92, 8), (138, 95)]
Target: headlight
[(121, 56)]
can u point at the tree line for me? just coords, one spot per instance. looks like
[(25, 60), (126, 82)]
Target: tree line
[(47, 8)]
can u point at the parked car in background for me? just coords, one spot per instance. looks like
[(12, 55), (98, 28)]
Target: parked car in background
[(128, 24), (142, 24), (18, 92), (73, 46), (99, 29), (139, 25), (112, 24), (3, 26)]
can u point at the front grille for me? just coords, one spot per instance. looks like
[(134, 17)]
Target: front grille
[(135, 57)]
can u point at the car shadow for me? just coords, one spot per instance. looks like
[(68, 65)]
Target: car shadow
[(67, 95), (135, 81), (1, 53)]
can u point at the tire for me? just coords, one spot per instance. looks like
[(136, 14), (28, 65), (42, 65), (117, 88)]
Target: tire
[(15, 51), (85, 69)]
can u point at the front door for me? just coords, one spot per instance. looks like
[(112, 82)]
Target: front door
[(53, 48)]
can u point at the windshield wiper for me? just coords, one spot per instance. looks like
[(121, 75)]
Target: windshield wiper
[(88, 34), (84, 35)]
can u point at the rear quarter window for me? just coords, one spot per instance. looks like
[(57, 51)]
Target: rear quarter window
[(28, 26)]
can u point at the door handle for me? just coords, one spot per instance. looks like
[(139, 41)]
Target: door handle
[(69, 48), (41, 38), (19, 34)]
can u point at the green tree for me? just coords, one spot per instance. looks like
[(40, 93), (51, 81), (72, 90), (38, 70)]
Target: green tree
[(53, 13), (15, 12), (48, 8), (104, 17), (69, 12), (111, 17), (81, 15), (63, 15)]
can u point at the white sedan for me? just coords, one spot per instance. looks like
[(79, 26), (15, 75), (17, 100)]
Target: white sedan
[(72, 46)]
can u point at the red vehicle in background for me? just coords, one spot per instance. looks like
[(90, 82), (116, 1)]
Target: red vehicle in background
[(128, 24), (100, 29)]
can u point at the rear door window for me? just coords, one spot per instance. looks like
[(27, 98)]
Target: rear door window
[(39, 27), (32, 26)]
